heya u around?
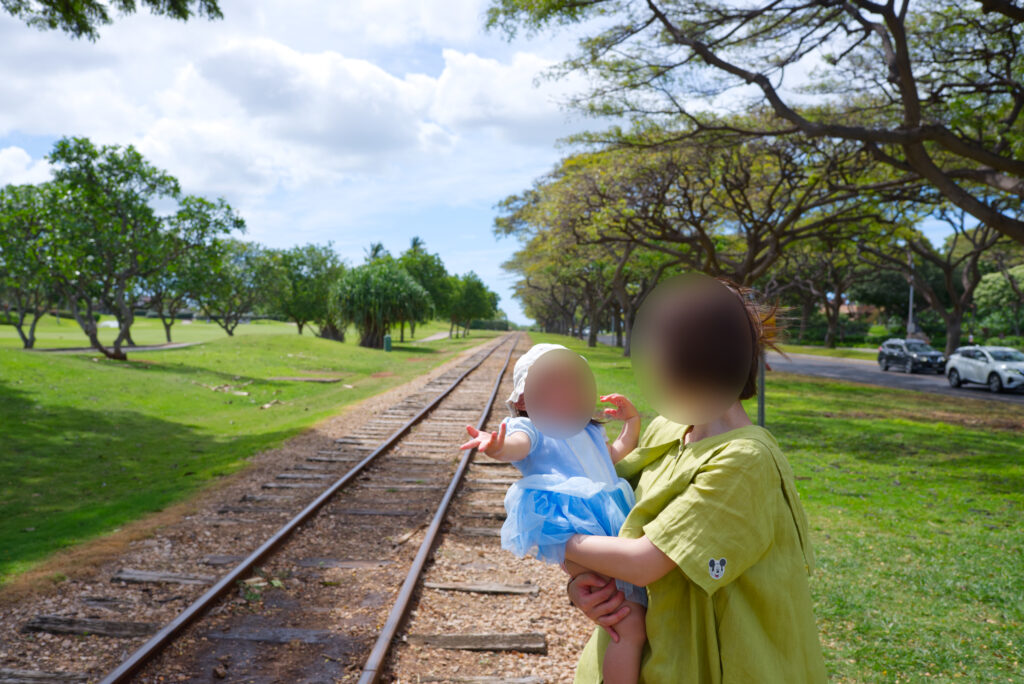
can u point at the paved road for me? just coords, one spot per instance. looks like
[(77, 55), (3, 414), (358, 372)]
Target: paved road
[(859, 370)]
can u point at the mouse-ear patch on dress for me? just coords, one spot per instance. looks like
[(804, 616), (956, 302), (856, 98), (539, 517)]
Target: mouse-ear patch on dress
[(522, 367)]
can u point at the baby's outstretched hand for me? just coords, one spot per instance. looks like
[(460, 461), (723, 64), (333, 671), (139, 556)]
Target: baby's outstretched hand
[(624, 408), (488, 442)]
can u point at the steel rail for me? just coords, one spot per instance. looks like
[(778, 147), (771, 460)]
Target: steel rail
[(375, 662), (197, 608)]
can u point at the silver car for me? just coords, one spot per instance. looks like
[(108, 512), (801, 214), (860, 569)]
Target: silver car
[(998, 367)]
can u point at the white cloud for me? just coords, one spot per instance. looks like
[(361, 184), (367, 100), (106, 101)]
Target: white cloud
[(314, 119), (18, 167)]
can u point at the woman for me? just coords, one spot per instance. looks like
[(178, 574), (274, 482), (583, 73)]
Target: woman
[(718, 535)]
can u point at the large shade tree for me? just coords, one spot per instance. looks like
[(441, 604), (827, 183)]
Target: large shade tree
[(307, 273), (106, 237), (374, 297), (26, 291), (933, 90), (245, 276), (83, 18)]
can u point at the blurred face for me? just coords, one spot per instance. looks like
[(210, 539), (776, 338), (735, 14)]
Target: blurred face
[(692, 349), (560, 393)]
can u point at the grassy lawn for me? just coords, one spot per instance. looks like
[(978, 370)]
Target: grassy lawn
[(916, 504), (839, 352), (64, 332), (89, 444)]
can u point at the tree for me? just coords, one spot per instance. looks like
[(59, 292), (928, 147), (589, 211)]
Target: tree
[(373, 297), (376, 252), (959, 262), (1002, 295), (307, 274), (471, 300), (107, 239), (429, 271), (171, 289), (931, 89), (245, 276), (82, 18), (727, 207), (24, 279), (825, 268)]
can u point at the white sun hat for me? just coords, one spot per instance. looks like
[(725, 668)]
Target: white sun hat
[(522, 368)]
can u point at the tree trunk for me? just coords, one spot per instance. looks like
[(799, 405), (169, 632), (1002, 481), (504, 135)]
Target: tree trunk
[(412, 330), (401, 331), (299, 325), (806, 309), (618, 327), (954, 320), (832, 318), (167, 328)]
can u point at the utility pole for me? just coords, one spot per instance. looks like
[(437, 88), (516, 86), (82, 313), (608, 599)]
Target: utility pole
[(910, 304)]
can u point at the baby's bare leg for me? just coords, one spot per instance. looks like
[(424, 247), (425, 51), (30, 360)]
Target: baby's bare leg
[(622, 659)]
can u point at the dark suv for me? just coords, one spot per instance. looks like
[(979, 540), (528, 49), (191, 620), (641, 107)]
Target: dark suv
[(910, 356)]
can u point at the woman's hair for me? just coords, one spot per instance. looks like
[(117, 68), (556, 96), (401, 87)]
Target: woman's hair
[(710, 332)]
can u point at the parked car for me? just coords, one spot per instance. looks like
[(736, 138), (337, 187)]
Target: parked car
[(910, 356), (998, 367)]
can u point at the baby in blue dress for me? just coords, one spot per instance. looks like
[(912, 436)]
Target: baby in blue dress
[(569, 485)]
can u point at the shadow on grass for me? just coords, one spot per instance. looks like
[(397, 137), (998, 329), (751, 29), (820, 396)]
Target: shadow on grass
[(71, 473)]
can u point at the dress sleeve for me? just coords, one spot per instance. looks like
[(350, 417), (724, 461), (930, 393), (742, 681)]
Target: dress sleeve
[(719, 525), (522, 424)]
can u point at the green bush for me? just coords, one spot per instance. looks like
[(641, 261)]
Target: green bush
[(1006, 341)]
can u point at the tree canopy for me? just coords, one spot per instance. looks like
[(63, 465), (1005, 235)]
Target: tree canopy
[(932, 90), (83, 18)]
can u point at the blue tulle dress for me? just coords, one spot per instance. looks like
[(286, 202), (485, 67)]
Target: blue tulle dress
[(569, 486)]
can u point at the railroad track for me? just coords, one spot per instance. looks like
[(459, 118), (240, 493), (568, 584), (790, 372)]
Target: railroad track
[(321, 597)]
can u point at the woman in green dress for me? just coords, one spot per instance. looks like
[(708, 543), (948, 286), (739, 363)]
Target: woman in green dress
[(718, 535)]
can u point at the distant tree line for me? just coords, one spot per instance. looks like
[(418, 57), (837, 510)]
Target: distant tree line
[(92, 240)]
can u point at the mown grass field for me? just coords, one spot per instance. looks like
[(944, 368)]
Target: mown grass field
[(54, 332), (88, 444), (916, 504), (838, 352)]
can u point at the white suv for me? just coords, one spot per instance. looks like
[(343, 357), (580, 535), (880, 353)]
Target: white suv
[(998, 367)]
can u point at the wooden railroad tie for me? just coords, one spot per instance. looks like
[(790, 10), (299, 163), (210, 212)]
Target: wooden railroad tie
[(482, 680), (133, 576), (484, 587), (278, 635), (529, 642), (9, 676), (58, 624), (341, 563)]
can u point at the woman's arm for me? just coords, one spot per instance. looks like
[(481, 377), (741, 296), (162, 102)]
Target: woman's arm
[(515, 447), (636, 561), (629, 436)]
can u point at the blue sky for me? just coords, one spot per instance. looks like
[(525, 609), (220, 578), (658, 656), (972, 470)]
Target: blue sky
[(354, 122), (351, 122)]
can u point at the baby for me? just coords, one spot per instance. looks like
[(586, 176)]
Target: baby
[(569, 485)]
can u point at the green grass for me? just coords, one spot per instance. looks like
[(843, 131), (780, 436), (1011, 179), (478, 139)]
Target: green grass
[(838, 352), (90, 444), (916, 505), (65, 332)]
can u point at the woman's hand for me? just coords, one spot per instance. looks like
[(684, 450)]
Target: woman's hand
[(624, 408), (491, 443), (599, 599)]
